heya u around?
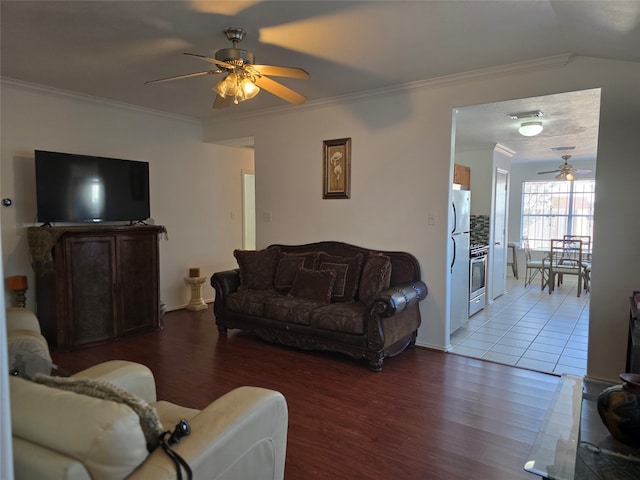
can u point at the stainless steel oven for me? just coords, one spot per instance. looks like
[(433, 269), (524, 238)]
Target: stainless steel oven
[(477, 278)]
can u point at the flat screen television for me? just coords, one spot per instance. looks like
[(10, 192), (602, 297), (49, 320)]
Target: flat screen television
[(81, 188)]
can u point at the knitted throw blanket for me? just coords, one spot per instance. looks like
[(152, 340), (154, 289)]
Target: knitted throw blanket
[(149, 421)]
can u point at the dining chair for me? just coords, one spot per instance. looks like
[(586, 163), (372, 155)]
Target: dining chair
[(586, 258), (533, 267), (565, 258), (511, 246), (586, 245)]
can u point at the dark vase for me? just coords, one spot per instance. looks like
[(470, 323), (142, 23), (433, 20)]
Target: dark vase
[(619, 409)]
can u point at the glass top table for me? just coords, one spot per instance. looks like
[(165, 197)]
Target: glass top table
[(574, 443)]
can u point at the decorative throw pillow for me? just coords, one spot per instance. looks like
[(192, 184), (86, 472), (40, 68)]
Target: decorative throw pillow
[(376, 277), (149, 421), (288, 266), (348, 270), (314, 285), (257, 267)]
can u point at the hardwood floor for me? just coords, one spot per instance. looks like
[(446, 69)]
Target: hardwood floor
[(427, 415)]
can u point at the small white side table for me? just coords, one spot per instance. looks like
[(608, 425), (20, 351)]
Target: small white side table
[(196, 303)]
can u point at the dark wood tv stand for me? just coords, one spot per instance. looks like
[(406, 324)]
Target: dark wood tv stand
[(95, 283)]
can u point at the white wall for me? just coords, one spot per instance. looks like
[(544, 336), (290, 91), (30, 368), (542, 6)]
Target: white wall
[(194, 186), (402, 169)]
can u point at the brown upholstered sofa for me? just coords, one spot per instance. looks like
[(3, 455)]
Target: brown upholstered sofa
[(324, 296)]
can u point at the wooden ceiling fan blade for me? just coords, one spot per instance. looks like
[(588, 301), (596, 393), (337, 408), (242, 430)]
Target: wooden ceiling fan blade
[(280, 90), (550, 171), (290, 72), (222, 102), (580, 171), (212, 60), (179, 77)]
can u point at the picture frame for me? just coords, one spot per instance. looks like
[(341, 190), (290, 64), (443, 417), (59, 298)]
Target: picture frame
[(336, 179)]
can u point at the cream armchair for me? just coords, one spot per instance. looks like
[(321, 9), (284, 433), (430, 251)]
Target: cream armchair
[(24, 335), (59, 434)]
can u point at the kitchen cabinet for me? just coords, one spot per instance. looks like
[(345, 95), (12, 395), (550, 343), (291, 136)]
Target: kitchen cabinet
[(97, 284), (462, 176)]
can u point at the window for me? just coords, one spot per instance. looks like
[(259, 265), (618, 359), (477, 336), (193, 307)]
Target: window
[(556, 208)]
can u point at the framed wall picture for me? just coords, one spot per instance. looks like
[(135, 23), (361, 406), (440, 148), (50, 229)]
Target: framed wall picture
[(337, 168)]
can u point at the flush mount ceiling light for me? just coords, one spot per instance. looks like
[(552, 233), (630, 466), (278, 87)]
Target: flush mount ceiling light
[(530, 129)]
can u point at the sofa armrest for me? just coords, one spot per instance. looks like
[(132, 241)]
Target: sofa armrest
[(28, 342), (226, 282), (21, 319), (130, 376), (398, 298), (31, 460), (243, 434)]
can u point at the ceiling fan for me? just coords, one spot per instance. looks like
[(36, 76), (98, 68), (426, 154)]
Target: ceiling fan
[(243, 78), (566, 171)]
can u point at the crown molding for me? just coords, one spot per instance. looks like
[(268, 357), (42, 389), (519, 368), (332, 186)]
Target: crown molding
[(506, 151), (36, 87), (556, 61), (537, 64), (474, 147), (488, 147)]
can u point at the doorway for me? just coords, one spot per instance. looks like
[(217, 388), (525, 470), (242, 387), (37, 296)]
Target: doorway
[(248, 210), (513, 329)]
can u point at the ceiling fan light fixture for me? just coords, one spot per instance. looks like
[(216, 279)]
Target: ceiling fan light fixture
[(568, 177), (249, 88), (530, 129), (238, 86), (243, 76)]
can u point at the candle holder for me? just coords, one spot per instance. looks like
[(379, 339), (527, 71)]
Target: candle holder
[(18, 285)]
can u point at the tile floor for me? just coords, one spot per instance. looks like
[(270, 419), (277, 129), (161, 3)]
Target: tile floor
[(530, 329)]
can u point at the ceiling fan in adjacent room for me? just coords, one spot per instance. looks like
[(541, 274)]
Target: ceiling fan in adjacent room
[(566, 171), (243, 78)]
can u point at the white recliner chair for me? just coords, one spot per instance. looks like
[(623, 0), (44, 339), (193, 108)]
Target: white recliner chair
[(60, 434), (24, 335)]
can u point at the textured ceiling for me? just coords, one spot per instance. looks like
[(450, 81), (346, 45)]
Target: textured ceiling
[(570, 120), (108, 49)]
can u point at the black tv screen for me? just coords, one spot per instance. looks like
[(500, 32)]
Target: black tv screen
[(83, 188)]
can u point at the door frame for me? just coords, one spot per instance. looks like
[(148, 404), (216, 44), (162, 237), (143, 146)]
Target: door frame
[(497, 271), (248, 209)]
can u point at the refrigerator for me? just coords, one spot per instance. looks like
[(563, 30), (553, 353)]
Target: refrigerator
[(460, 226)]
